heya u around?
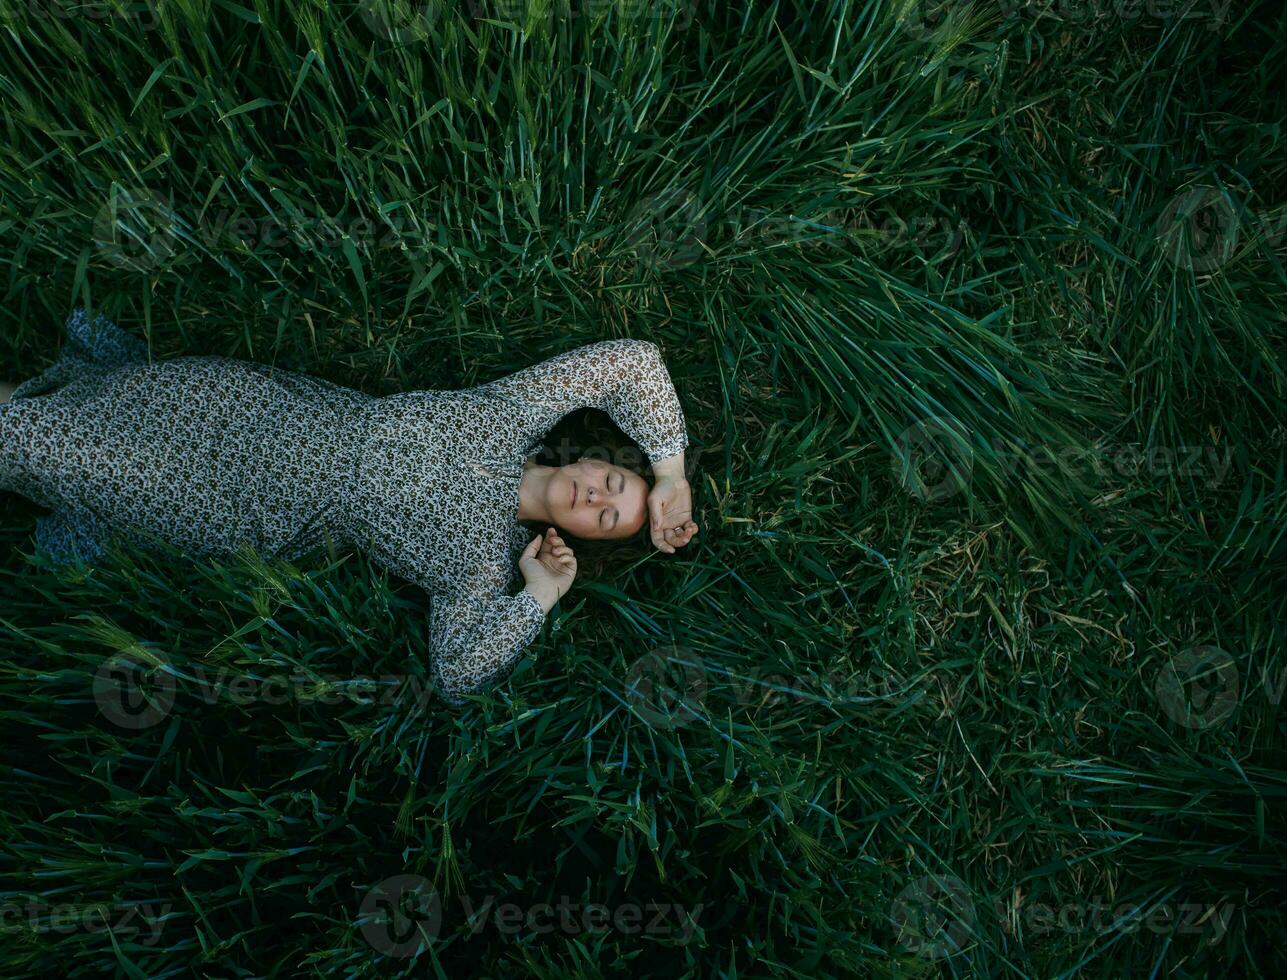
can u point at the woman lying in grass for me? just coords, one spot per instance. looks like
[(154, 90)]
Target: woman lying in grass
[(209, 453)]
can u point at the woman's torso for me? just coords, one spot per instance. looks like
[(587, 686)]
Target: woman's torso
[(435, 492)]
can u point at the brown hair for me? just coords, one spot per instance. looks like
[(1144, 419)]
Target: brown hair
[(589, 432)]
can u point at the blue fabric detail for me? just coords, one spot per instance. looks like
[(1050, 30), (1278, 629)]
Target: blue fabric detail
[(101, 340), (96, 341), (69, 536)]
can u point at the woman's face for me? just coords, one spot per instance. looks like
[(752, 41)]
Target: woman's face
[(594, 499)]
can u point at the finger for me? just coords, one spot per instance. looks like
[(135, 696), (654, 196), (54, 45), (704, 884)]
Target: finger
[(655, 510)]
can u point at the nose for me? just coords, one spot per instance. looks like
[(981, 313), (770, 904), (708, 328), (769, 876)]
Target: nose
[(595, 496)]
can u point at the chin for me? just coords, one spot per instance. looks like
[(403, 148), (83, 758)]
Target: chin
[(557, 499)]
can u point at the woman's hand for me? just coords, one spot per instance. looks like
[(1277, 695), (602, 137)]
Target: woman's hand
[(548, 567), (670, 505)]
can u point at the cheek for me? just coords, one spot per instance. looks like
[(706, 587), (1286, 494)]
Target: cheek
[(641, 505)]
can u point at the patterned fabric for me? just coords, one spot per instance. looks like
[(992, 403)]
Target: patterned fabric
[(210, 453)]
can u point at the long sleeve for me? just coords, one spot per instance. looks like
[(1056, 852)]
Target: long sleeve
[(625, 378), (476, 639), (477, 631)]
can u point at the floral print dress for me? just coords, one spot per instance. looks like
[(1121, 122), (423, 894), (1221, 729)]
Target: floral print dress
[(209, 454)]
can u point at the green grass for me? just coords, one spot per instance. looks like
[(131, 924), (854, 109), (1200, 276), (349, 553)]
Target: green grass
[(976, 312)]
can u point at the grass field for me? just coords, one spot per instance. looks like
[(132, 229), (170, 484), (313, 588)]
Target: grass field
[(976, 313)]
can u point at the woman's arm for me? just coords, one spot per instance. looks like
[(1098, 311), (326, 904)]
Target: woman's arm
[(477, 637), (670, 506), (625, 378)]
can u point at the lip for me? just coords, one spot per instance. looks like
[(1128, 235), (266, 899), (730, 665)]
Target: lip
[(574, 493)]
